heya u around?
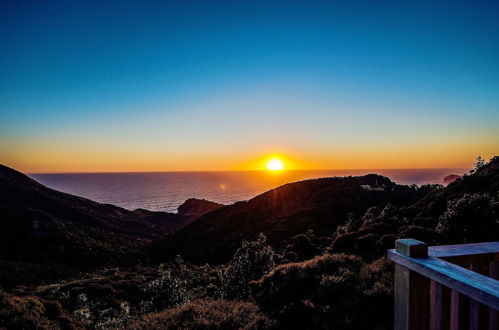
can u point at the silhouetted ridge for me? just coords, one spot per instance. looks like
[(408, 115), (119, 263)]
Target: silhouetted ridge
[(319, 205), (38, 224)]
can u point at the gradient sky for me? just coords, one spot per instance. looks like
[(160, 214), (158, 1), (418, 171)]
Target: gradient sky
[(89, 86)]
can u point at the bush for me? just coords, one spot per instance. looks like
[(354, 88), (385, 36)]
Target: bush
[(303, 245), (326, 292), (386, 242), (425, 234), (208, 314), (477, 209), (166, 291), (32, 313), (251, 261), (376, 279)]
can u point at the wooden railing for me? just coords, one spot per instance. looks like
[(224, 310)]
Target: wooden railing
[(446, 287)]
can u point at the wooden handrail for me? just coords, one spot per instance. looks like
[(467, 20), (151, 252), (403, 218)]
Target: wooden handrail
[(433, 292), (474, 285), (458, 250)]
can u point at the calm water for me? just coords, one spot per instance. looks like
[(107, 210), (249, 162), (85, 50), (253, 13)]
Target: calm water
[(167, 190)]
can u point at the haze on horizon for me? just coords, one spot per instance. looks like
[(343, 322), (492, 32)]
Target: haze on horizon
[(89, 86)]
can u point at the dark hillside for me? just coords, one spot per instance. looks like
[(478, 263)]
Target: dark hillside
[(484, 181), (319, 205), (465, 211), (41, 225), (469, 203)]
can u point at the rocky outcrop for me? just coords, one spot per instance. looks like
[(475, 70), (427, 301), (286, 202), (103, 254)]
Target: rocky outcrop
[(451, 178), (194, 207)]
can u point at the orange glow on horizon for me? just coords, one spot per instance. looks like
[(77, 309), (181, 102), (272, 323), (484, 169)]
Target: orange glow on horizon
[(63, 157)]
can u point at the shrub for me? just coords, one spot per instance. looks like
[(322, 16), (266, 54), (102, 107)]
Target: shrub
[(386, 242), (366, 244), (326, 292), (313, 293), (166, 291), (370, 215), (376, 280), (32, 313), (303, 245), (251, 261), (208, 314), (425, 234), (477, 209), (345, 243)]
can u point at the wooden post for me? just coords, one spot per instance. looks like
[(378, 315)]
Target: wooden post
[(411, 289), (439, 306), (457, 308), (493, 314), (478, 313)]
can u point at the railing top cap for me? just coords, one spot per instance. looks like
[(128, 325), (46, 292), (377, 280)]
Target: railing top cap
[(411, 247)]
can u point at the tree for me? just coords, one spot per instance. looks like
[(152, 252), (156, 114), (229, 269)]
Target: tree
[(479, 163), (477, 209), (166, 291), (251, 261)]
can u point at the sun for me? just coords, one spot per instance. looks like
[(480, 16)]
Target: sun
[(275, 164)]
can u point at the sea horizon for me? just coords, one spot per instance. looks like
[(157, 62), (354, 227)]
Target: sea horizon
[(165, 191), (256, 170)]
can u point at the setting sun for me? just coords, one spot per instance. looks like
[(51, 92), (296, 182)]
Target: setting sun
[(275, 164)]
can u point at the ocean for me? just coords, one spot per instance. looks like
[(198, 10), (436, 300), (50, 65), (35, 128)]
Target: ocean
[(165, 191)]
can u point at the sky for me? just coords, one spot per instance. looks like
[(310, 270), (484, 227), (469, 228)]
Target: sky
[(103, 86)]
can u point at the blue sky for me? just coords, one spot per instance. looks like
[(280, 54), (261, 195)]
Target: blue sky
[(308, 78)]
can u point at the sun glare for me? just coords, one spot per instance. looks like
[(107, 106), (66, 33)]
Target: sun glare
[(275, 164)]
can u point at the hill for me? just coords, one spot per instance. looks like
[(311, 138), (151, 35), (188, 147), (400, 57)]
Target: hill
[(41, 225), (320, 205), (371, 208)]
